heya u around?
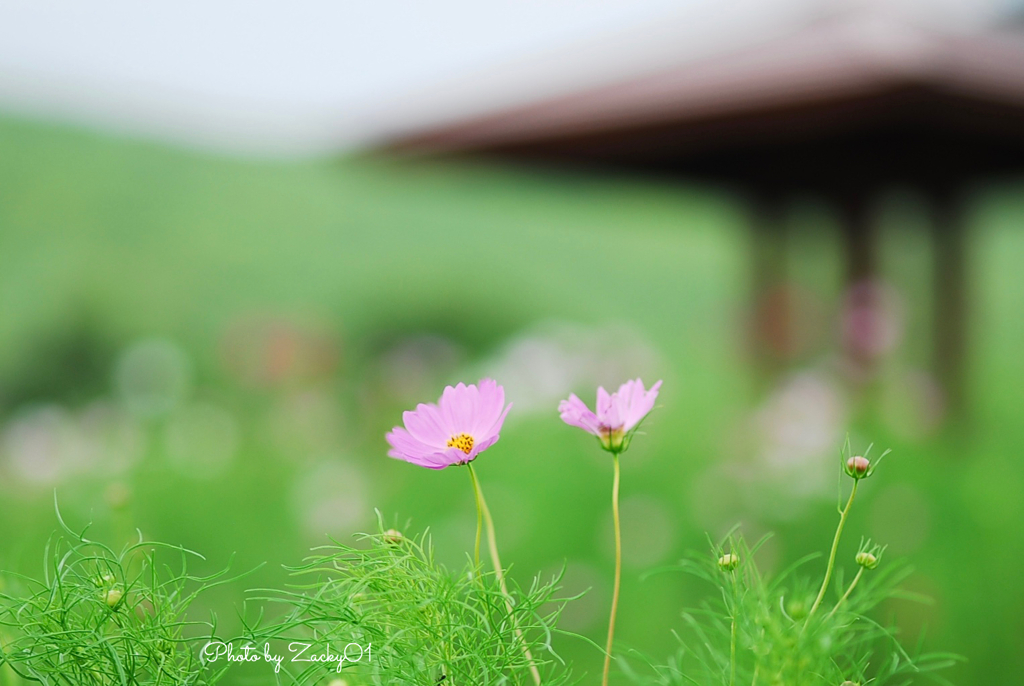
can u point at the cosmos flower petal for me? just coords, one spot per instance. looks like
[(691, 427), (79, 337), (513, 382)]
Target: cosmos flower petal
[(576, 413), (604, 402), (439, 460), (625, 399), (484, 445), (641, 403), (495, 427), (407, 447), (456, 456), (456, 405), (489, 408), (426, 425), (608, 409), (428, 461)]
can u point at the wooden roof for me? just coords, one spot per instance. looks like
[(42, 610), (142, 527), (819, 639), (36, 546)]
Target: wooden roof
[(866, 100)]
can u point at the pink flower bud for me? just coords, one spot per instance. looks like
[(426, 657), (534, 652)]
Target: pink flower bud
[(858, 467)]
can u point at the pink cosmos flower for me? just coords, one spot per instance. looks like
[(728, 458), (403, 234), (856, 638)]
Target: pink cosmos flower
[(618, 414), (464, 423)]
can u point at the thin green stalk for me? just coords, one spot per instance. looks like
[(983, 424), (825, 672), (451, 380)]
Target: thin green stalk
[(732, 641), (832, 556), (480, 505), (848, 591), (618, 572), (499, 574), (732, 653)]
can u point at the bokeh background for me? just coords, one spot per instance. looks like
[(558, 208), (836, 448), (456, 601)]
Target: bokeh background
[(220, 285)]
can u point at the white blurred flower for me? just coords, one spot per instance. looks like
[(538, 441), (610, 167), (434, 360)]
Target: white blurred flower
[(42, 444), (797, 431)]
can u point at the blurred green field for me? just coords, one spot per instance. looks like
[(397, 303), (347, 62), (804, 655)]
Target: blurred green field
[(381, 280)]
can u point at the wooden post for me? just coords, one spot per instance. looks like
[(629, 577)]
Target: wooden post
[(860, 238)]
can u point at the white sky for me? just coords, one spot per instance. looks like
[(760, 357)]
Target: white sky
[(312, 75)]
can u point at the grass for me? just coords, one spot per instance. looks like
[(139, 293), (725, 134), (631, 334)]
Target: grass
[(100, 616), (413, 620)]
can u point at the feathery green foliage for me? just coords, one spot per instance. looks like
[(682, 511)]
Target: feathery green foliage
[(100, 617), (775, 631), (421, 623), (756, 630)]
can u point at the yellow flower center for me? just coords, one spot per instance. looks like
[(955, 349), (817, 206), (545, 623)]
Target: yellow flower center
[(463, 442)]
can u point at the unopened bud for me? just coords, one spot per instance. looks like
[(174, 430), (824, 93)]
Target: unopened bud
[(849, 683), (393, 536), (728, 562), (113, 597), (867, 560), (797, 609), (337, 682), (858, 467)]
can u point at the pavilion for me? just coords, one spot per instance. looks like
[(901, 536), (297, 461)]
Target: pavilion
[(843, 107)]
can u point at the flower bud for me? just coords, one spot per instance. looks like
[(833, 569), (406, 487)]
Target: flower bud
[(867, 560), (728, 562), (849, 683), (393, 536), (797, 609), (113, 597), (858, 467)]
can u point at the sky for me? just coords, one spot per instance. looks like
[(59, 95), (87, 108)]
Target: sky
[(309, 76)]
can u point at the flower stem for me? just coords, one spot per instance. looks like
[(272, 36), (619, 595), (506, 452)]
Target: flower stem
[(848, 591), (480, 505), (832, 556), (732, 639), (732, 653), (499, 574), (618, 572)]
